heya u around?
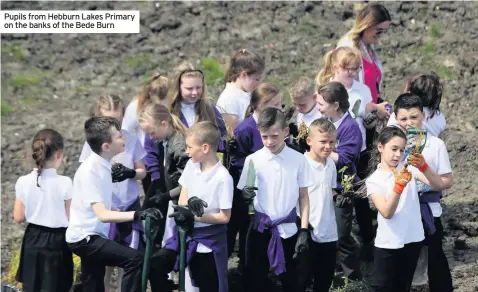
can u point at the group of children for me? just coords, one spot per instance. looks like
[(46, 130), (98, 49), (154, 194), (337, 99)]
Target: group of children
[(288, 184)]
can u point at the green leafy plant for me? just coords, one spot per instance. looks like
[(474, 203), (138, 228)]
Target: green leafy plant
[(346, 181), (6, 109)]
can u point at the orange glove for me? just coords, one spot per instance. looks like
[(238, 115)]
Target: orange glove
[(417, 160), (402, 178)]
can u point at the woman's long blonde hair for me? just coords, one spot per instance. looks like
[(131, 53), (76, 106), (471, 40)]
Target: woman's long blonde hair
[(158, 113), (369, 16), (342, 56), (203, 108), (155, 91)]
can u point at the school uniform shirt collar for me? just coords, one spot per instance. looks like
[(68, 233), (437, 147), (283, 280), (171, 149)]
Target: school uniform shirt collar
[(317, 165), (337, 124), (187, 105), (255, 116), (100, 160), (269, 155), (208, 174), (46, 171)]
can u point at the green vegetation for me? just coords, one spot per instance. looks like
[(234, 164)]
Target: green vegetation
[(213, 72), (14, 51), (7, 109), (139, 61), (21, 81), (28, 100), (435, 31)]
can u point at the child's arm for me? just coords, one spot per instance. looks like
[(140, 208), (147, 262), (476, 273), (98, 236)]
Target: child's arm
[(107, 216), (349, 147), (18, 211), (386, 207), (215, 218), (429, 176), (304, 207), (152, 158), (183, 197), (67, 208), (140, 170)]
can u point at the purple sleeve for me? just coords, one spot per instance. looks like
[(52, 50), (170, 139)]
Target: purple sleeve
[(220, 121), (151, 160), (244, 145), (349, 146)]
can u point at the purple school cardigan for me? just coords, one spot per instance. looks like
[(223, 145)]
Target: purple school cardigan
[(214, 237), (151, 147), (427, 215), (248, 141), (349, 144)]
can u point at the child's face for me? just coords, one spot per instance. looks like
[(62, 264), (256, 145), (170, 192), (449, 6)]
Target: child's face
[(345, 74), (276, 102), (305, 104), (249, 82), (321, 144), (410, 118), (392, 152), (327, 109), (195, 150), (191, 89), (117, 143), (156, 133), (273, 138), (117, 114)]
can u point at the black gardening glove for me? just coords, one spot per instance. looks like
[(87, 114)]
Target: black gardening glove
[(293, 130), (248, 194), (302, 244), (197, 206), (232, 146), (183, 217), (153, 213), (119, 172), (342, 201), (159, 199)]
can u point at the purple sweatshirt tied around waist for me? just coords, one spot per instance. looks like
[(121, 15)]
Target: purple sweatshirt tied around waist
[(427, 215)]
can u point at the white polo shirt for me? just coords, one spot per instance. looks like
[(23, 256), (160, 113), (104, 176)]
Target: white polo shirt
[(92, 184), (309, 117), (406, 225), (278, 179), (322, 212), (234, 101), (214, 186), (360, 92), (130, 122), (436, 156), (44, 205), (434, 126)]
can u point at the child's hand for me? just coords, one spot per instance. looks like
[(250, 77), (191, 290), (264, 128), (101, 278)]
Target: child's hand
[(417, 160), (402, 178), (119, 172)]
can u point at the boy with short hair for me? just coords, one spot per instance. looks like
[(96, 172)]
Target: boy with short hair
[(303, 96), (320, 260), (90, 213), (282, 178), (206, 201), (409, 114)]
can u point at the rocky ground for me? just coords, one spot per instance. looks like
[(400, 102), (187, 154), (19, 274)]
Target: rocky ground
[(50, 80)]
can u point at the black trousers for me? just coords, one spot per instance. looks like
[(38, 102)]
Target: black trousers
[(319, 263), (393, 269), (347, 245), (439, 276), (257, 266), (363, 213), (202, 267), (96, 253)]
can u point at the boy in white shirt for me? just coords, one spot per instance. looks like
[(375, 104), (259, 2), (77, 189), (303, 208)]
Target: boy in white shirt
[(409, 113), (282, 178), (90, 213), (319, 262), (207, 192)]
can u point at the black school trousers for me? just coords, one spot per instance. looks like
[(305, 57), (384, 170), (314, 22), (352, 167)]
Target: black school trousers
[(393, 269), (439, 276), (318, 262), (257, 264), (202, 267), (96, 253)]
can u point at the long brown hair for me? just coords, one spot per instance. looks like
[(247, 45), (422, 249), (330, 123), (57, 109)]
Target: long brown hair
[(428, 87), (107, 102), (45, 144), (264, 93), (335, 92), (158, 113), (369, 16), (203, 108), (342, 56), (156, 90), (244, 61)]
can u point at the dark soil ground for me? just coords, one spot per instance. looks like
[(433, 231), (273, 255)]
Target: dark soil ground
[(50, 80)]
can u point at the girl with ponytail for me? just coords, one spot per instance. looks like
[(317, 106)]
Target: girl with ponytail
[(43, 200)]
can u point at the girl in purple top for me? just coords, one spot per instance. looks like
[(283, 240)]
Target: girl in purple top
[(248, 141), (126, 189), (333, 103)]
